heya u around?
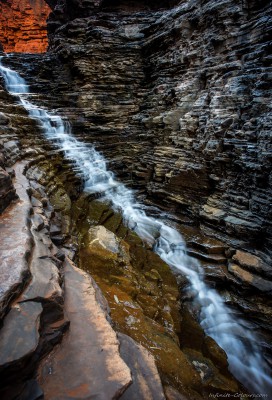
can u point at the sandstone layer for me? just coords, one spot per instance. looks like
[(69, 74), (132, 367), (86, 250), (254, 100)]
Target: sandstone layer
[(41, 290), (23, 26), (54, 315), (184, 93), (177, 99), (178, 102)]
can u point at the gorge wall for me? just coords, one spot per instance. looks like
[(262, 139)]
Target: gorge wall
[(177, 99), (23, 25), (176, 96)]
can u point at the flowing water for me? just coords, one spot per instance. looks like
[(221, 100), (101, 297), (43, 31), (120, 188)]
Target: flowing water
[(218, 321)]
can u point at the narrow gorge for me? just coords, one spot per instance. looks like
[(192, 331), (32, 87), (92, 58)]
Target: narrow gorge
[(135, 199)]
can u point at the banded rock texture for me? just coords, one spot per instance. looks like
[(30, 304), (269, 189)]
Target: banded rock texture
[(23, 25), (177, 100), (35, 296), (37, 286)]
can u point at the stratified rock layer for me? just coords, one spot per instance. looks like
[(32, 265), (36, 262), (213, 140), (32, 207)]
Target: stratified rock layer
[(90, 349), (178, 102), (15, 246), (23, 26), (35, 288)]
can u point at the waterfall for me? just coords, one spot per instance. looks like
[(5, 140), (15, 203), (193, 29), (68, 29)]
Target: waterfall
[(217, 319)]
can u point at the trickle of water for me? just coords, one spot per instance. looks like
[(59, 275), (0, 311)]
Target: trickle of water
[(244, 355)]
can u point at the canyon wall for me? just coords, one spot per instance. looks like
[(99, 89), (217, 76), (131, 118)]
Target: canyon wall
[(177, 99), (23, 26), (176, 96), (181, 99), (47, 303)]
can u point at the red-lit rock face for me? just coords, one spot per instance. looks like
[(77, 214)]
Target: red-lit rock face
[(23, 26)]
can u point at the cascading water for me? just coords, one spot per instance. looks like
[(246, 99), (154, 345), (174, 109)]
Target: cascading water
[(218, 321)]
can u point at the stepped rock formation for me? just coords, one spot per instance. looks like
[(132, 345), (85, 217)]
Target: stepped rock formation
[(23, 25), (176, 96), (185, 94), (177, 99)]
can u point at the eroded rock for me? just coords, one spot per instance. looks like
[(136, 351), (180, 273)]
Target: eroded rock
[(19, 336), (146, 382), (91, 348), (23, 26), (15, 244), (7, 190), (134, 280)]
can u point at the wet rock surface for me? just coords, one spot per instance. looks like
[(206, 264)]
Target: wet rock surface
[(146, 380), (176, 98), (37, 317), (15, 244), (32, 319), (178, 104), (90, 348), (143, 297)]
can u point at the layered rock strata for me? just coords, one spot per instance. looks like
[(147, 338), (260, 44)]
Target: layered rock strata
[(47, 324), (177, 101), (187, 106), (38, 296), (32, 316), (23, 26), (144, 299)]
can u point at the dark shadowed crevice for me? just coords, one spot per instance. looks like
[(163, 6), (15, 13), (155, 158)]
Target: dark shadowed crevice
[(136, 5)]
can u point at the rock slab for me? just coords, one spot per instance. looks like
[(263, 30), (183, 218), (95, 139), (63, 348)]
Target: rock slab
[(146, 380), (90, 349), (15, 243)]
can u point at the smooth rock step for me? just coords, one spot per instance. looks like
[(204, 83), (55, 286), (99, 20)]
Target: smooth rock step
[(214, 273), (206, 245), (252, 263), (249, 278), (216, 258), (90, 349), (15, 243)]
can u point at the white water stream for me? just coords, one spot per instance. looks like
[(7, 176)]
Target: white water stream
[(218, 321)]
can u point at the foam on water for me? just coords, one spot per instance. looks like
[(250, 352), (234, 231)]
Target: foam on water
[(218, 320)]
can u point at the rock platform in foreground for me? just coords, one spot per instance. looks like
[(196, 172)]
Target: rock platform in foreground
[(15, 243), (31, 295), (87, 364)]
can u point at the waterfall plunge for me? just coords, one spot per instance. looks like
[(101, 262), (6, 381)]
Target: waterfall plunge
[(217, 320)]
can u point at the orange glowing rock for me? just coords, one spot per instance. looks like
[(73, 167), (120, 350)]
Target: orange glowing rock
[(23, 26)]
